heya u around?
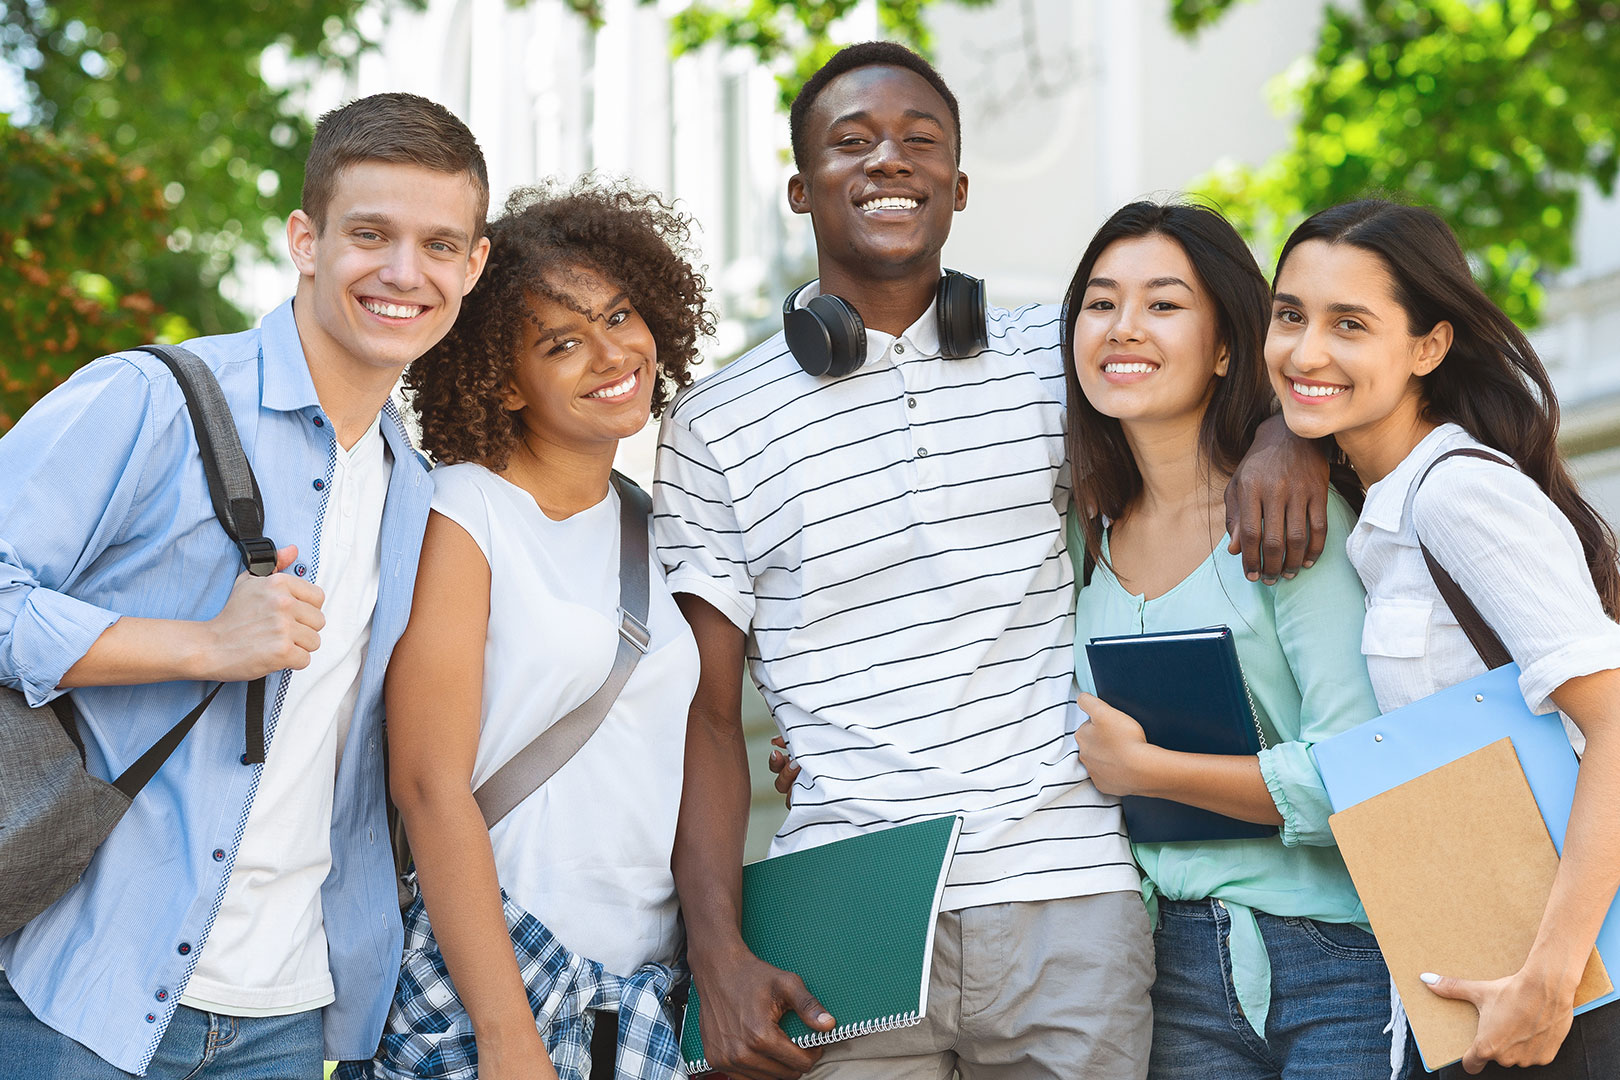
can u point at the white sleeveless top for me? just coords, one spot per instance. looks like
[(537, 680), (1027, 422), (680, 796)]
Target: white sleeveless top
[(588, 854)]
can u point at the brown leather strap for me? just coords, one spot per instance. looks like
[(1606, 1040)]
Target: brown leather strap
[(1480, 635)]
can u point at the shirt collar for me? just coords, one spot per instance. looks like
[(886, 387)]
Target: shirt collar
[(1386, 500), (287, 386), (921, 337)]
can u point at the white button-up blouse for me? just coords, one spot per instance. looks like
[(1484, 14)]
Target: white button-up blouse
[(1513, 553)]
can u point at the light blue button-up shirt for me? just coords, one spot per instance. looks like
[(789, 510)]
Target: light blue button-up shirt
[(104, 512)]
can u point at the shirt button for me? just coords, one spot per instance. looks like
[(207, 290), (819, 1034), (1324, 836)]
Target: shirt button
[(183, 948), (911, 403), (899, 349), (219, 854), (922, 451), (319, 485), (151, 1018), (243, 759), (319, 422), (162, 995), (300, 570)]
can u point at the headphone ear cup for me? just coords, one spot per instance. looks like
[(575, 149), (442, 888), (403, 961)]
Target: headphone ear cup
[(960, 308), (838, 345)]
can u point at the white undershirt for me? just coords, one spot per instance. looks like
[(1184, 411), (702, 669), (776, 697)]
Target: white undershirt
[(266, 954), (588, 853)]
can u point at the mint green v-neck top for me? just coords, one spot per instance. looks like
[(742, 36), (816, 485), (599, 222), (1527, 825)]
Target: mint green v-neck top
[(1299, 643)]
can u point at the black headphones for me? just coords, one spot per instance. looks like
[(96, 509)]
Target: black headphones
[(827, 337)]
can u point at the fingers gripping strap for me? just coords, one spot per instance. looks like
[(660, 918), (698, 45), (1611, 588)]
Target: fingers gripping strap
[(1480, 635), (537, 762), (234, 491)]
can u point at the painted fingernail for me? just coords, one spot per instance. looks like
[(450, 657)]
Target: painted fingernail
[(1429, 978)]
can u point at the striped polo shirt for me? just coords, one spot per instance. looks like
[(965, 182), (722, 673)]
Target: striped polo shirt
[(892, 543)]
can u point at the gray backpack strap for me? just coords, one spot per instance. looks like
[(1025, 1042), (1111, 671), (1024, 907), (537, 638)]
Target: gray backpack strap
[(532, 766), (240, 510)]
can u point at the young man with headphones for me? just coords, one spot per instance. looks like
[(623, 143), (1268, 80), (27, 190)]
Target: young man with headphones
[(868, 509)]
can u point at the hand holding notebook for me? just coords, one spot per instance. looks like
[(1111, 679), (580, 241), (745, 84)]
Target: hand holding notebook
[(1187, 692)]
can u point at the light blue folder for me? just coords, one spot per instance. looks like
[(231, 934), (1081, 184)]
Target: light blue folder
[(1403, 745)]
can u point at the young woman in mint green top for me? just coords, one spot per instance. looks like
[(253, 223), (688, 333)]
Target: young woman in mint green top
[(1266, 966)]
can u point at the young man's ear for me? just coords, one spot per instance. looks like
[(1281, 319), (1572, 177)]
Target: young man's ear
[(1433, 348), (961, 190), (475, 264), (301, 239), (798, 194)]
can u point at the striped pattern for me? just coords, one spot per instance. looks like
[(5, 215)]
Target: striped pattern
[(893, 543)]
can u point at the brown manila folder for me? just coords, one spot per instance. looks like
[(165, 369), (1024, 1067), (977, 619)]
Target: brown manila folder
[(1454, 869)]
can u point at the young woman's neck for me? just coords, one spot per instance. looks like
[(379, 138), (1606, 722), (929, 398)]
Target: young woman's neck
[(562, 479), (1176, 476), (1376, 449)]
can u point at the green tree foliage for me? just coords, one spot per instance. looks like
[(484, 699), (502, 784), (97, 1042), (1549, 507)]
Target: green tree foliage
[(1495, 112), (70, 195), (149, 153), (795, 36)]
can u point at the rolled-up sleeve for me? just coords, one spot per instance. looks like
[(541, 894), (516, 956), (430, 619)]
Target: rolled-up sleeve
[(72, 468), (695, 524), (1319, 615), (1504, 542)]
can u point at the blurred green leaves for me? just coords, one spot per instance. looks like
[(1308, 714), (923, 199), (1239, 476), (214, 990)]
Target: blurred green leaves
[(150, 151), (1494, 112)]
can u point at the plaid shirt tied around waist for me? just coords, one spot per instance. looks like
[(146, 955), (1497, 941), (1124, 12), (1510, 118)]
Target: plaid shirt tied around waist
[(429, 1035)]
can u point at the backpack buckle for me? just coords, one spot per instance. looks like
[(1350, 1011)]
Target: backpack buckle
[(259, 554)]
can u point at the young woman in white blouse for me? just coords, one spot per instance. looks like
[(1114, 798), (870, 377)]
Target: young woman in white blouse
[(526, 934), (1381, 338)]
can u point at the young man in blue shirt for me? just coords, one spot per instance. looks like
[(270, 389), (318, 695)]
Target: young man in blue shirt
[(241, 920)]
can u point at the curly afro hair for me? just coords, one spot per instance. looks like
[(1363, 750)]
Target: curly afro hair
[(545, 234)]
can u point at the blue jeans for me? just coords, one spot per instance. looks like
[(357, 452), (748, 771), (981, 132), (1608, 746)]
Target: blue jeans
[(1329, 1001), (197, 1046)]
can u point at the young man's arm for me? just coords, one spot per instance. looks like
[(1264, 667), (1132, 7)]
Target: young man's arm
[(267, 624), (1276, 504), (76, 465), (743, 997)]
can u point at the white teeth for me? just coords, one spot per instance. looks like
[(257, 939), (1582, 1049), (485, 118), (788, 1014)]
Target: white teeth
[(392, 311), (1304, 390), (890, 202), (618, 389), (1129, 369)]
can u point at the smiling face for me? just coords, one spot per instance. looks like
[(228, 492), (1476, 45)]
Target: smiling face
[(584, 380), (1342, 357), (382, 283), (880, 182), (1147, 342)]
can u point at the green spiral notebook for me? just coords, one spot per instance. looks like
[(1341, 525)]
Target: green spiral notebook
[(855, 920)]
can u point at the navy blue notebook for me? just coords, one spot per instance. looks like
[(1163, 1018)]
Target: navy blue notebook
[(1187, 691)]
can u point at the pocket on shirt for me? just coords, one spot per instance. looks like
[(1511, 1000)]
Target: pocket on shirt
[(1397, 628)]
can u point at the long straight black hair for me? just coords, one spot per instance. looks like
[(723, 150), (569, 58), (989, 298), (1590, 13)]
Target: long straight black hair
[(1491, 382), (1106, 478)]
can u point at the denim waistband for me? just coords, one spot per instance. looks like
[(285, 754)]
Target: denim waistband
[(1190, 909)]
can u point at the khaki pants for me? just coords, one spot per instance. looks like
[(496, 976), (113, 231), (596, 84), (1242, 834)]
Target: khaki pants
[(1052, 989)]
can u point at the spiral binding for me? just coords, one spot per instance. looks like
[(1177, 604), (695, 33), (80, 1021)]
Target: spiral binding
[(842, 1031)]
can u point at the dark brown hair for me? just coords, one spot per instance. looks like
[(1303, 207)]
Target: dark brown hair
[(1106, 478), (404, 129), (545, 235), (1491, 382), (864, 54)]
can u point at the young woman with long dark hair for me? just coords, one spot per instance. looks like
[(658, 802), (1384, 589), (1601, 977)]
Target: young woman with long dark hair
[(1380, 338), (1266, 967)]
